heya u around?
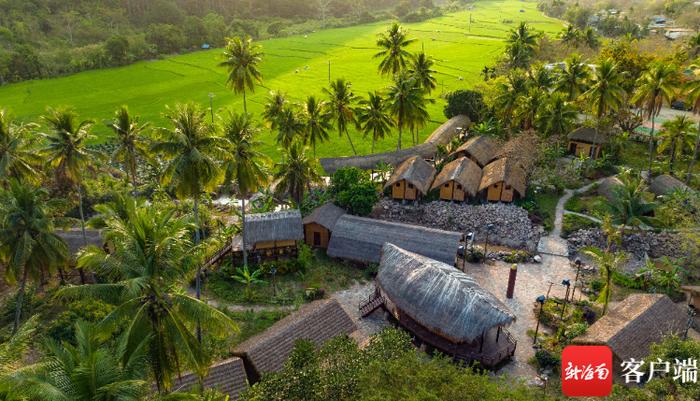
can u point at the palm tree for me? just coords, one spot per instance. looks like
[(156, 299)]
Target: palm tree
[(296, 172), (655, 87), (28, 244), (234, 127), (557, 116), (131, 145), (570, 36), (693, 91), (373, 117), (590, 38), (520, 45), (628, 206), (147, 268), (242, 58), (246, 166), (273, 108), (289, 127), (572, 80), (192, 151), (605, 92), (608, 263), (406, 103), (421, 69), (340, 104), (17, 157), (67, 153), (394, 55), (541, 78), (677, 136), (694, 45), (88, 370), (527, 107), (317, 121), (507, 96)]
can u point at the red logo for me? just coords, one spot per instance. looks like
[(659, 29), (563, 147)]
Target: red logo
[(586, 371)]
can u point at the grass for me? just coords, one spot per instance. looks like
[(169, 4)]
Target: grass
[(572, 223), (591, 204), (461, 50), (545, 206), (636, 155)]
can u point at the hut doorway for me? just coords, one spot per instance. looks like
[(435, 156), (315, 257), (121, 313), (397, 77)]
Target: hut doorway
[(494, 192), (317, 238)]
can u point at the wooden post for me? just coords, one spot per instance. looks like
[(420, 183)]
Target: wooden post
[(511, 281)]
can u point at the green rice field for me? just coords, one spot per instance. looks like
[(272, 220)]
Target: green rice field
[(297, 65)]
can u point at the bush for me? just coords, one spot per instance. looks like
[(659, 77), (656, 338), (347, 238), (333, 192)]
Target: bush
[(517, 257), (63, 327), (573, 223), (467, 102), (354, 191), (547, 360)]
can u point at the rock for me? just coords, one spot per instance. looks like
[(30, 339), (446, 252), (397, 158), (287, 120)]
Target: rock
[(537, 259)]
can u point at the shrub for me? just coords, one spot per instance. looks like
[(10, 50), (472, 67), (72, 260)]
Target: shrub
[(467, 102), (63, 327), (516, 257), (354, 191), (547, 360), (573, 223)]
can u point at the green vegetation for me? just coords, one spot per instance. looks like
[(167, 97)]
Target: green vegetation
[(543, 205), (572, 223)]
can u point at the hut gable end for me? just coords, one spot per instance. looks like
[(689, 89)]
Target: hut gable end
[(416, 171), (464, 172), (326, 215), (504, 170)]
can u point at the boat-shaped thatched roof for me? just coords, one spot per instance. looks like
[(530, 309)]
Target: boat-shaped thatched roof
[(274, 226), (416, 171), (228, 377), (318, 322), (481, 149), (441, 298), (504, 170), (325, 215), (665, 184), (462, 171), (630, 327), (74, 239), (361, 239), (587, 135), (441, 136), (607, 187)]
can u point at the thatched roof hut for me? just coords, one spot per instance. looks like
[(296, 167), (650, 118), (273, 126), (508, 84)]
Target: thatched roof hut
[(227, 377), (587, 135), (607, 187), (318, 322), (504, 170), (523, 149), (634, 324), (274, 226), (665, 184), (464, 172), (416, 171), (74, 239), (481, 149), (361, 239), (326, 215), (439, 297)]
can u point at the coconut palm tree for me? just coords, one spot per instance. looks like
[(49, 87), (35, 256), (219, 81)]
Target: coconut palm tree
[(317, 122), (67, 153), (296, 172), (692, 88), (393, 52), (570, 36), (572, 80), (131, 144), (421, 69), (289, 127), (655, 87), (192, 151), (605, 92), (406, 103), (340, 105), (148, 264), (521, 44), (678, 135), (527, 106), (628, 206), (541, 78), (88, 370), (242, 58), (608, 263), (28, 244), (557, 116), (17, 156), (245, 165), (235, 126), (693, 45), (590, 38), (507, 96), (373, 117), (273, 108)]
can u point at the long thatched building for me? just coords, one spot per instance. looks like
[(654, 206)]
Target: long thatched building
[(444, 308), (503, 180), (458, 180), (361, 240), (411, 179), (319, 225), (228, 377), (269, 235)]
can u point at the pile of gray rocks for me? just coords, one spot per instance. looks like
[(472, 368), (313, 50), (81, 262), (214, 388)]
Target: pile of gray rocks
[(639, 245)]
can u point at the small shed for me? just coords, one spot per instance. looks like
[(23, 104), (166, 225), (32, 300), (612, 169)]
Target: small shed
[(665, 184), (633, 325), (318, 226), (480, 149), (360, 239), (586, 141), (227, 377), (503, 180), (318, 322), (444, 307), (411, 179), (274, 232), (458, 180)]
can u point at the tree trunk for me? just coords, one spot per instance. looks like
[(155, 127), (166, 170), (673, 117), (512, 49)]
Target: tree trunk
[(245, 105), (20, 299), (347, 134), (374, 139), (245, 243), (694, 159), (651, 148), (672, 160), (82, 229), (398, 146), (198, 278), (133, 172)]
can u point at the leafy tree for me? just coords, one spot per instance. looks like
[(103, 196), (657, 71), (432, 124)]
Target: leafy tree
[(508, 92), (467, 102), (573, 79), (242, 58), (340, 105), (421, 69), (117, 48), (406, 103), (167, 38), (557, 116), (316, 119), (608, 263), (354, 190), (296, 171), (693, 90), (393, 52), (521, 44), (677, 136), (527, 106), (373, 117), (628, 206), (28, 244), (289, 127), (131, 144), (18, 159)]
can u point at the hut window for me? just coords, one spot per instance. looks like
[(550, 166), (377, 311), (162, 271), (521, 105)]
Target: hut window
[(410, 186), (398, 184), (447, 185), (507, 186), (459, 186)]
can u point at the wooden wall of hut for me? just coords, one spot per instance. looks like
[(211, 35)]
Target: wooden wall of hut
[(404, 190), (316, 235), (452, 191), (582, 148), (500, 192)]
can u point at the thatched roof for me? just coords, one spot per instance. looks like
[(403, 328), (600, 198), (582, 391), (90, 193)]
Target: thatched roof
[(481, 149), (318, 321), (523, 149), (634, 324), (506, 170), (464, 172), (416, 171), (227, 377), (274, 226), (586, 134), (325, 215), (74, 239), (438, 296), (361, 239), (441, 136), (607, 187), (665, 184)]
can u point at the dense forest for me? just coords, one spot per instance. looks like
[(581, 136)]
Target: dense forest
[(44, 38)]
